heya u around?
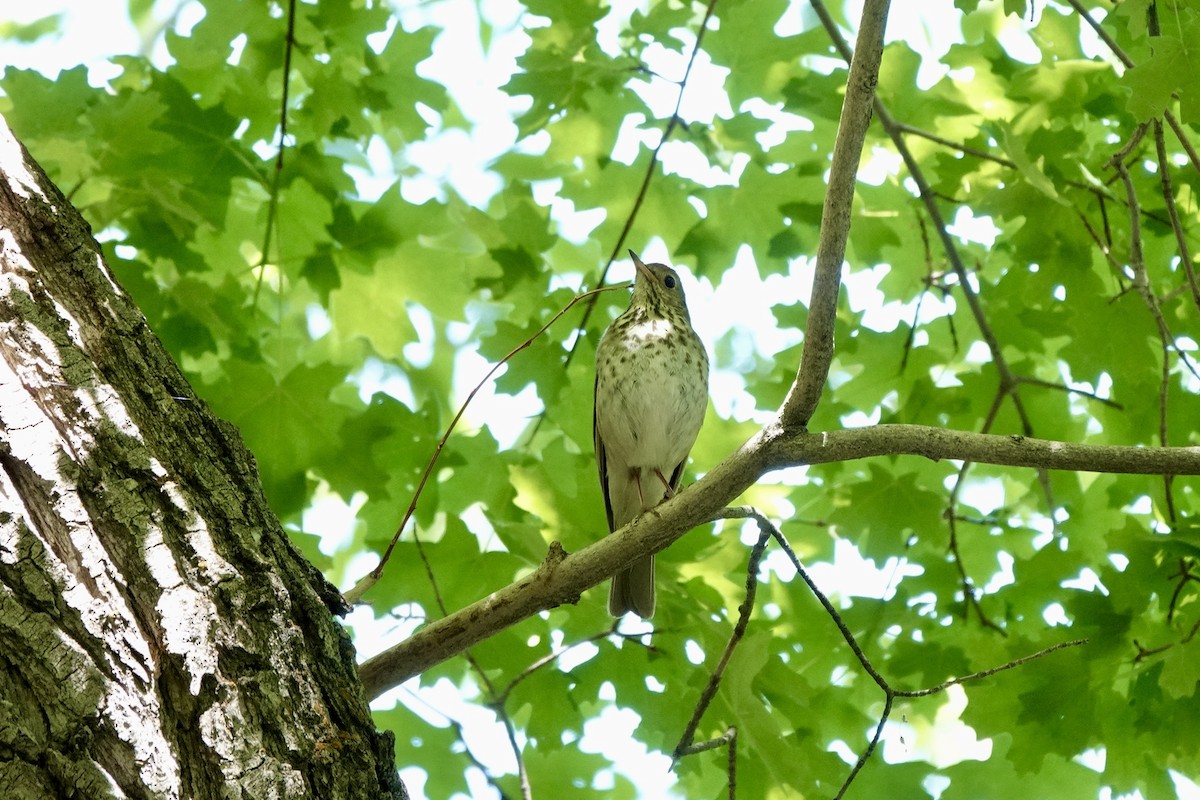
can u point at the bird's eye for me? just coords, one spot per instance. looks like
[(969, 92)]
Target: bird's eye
[(669, 281)]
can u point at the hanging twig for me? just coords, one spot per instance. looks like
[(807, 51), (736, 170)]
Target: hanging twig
[(651, 169), (356, 593), (289, 44)]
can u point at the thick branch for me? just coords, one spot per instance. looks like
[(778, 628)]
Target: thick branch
[(802, 398), (984, 448), (562, 579)]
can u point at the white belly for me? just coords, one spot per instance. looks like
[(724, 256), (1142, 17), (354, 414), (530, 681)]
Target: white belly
[(656, 413)]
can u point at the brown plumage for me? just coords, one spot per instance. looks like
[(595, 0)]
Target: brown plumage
[(650, 398)]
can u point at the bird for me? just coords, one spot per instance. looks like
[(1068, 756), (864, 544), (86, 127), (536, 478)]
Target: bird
[(651, 395)]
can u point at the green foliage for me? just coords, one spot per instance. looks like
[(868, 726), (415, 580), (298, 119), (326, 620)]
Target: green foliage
[(340, 325)]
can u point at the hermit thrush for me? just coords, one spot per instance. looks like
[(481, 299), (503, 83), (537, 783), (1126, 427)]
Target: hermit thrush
[(651, 395)]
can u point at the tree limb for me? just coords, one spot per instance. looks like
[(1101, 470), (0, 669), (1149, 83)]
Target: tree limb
[(984, 448), (806, 390), (562, 578)]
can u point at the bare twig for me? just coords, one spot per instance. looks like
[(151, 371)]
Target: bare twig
[(959, 146), (1071, 390), (985, 673), (651, 168), (852, 642), (739, 630), (522, 774), (360, 588), (970, 597), (1185, 576), (1117, 160), (1008, 384), (289, 44), (731, 768), (1141, 282), (970, 593), (1105, 247), (460, 734), (1168, 193), (1144, 652), (1184, 142), (550, 658), (890, 693), (934, 279), (729, 740), (889, 700)]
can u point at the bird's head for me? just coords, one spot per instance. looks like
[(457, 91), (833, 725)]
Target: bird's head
[(657, 288)]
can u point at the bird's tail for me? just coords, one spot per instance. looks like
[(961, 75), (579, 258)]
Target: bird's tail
[(633, 590)]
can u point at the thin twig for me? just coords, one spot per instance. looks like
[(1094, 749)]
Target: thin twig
[(1184, 142), (959, 146), (522, 773), (550, 658), (970, 594), (731, 769), (1168, 193), (1117, 160), (928, 198), (974, 676), (1109, 42), (273, 196), (890, 693), (1184, 575), (970, 598), (706, 745), (1141, 282), (460, 734), (852, 642), (729, 740), (651, 168), (889, 699), (739, 629), (1071, 390), (1192, 633), (369, 580), (1105, 247), (930, 281)]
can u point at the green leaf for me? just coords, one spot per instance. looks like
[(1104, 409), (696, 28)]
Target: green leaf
[(339, 308)]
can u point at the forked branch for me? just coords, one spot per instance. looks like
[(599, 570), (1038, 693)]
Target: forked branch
[(563, 578), (767, 532)]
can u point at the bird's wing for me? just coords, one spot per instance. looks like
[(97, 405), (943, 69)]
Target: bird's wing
[(602, 463), (677, 475)]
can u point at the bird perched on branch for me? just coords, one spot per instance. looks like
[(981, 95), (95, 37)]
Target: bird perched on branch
[(650, 398)]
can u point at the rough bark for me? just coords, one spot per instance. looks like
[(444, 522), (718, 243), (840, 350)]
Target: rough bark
[(159, 636)]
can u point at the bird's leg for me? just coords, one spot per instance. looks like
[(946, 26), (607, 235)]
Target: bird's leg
[(666, 484), (636, 474)]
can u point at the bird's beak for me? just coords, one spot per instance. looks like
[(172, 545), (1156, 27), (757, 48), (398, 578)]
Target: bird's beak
[(641, 268)]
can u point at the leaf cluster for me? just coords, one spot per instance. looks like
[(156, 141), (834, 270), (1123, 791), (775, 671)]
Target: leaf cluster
[(335, 302)]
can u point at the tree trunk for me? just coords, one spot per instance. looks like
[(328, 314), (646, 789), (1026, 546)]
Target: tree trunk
[(159, 636)]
